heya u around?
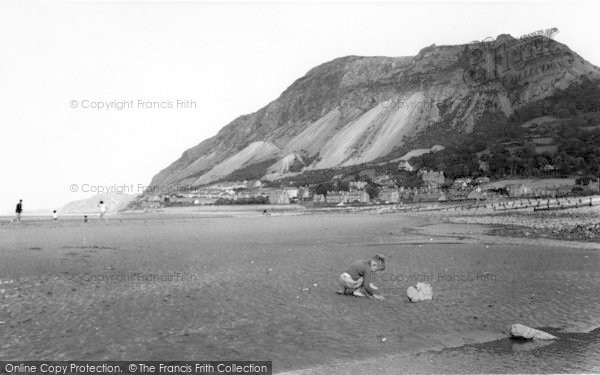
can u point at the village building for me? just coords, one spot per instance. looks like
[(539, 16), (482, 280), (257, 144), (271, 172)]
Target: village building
[(423, 195), (390, 195), (405, 193), (318, 198), (229, 186), (462, 183), (348, 196), (404, 165), (543, 192), (153, 198), (181, 200), (292, 192), (304, 194), (432, 179), (357, 185), (385, 180), (254, 184), (277, 196), (150, 203), (205, 201), (589, 184), (518, 190)]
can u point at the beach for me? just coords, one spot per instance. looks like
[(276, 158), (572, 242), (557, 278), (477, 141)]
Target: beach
[(252, 287)]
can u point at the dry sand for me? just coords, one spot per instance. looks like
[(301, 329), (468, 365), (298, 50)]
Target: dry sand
[(69, 290)]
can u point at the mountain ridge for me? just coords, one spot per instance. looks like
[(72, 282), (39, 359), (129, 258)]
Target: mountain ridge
[(356, 109)]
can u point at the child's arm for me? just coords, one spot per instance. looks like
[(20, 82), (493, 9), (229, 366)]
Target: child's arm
[(371, 288)]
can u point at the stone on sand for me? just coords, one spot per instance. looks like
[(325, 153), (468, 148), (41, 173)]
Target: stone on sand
[(521, 331), (422, 292)]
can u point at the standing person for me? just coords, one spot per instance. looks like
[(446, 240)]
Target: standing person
[(102, 208), (18, 211), (54, 215)]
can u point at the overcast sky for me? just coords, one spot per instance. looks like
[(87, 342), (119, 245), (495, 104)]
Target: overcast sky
[(228, 58)]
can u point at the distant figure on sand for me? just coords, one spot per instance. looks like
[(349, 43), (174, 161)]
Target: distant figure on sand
[(18, 211), (54, 215), (357, 280), (266, 213), (85, 218), (102, 208)]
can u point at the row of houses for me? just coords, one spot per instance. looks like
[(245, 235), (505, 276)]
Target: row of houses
[(358, 196), (521, 190), (227, 192), (435, 187), (467, 182), (414, 195)]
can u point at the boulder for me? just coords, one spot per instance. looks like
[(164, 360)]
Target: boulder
[(528, 333), (422, 292)]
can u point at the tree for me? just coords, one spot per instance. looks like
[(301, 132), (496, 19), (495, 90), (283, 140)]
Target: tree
[(409, 180), (343, 186), (321, 189), (373, 190)]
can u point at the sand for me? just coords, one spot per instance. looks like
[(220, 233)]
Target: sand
[(191, 288)]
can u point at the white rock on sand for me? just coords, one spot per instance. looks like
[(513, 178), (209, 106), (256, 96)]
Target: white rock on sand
[(422, 292), (521, 331)]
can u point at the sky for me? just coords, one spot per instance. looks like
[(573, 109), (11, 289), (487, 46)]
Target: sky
[(180, 71)]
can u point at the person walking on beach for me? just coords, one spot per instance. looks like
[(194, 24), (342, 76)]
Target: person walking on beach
[(357, 280), (18, 211), (102, 208), (54, 215)]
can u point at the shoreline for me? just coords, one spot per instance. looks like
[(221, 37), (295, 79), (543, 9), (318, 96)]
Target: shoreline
[(411, 362)]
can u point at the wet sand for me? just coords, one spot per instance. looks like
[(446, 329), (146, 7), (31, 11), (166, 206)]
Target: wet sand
[(574, 224), (576, 353), (191, 288)]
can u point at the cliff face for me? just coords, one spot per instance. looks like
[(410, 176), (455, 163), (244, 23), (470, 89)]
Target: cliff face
[(354, 109)]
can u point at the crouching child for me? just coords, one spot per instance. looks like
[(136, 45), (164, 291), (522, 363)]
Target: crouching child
[(358, 279)]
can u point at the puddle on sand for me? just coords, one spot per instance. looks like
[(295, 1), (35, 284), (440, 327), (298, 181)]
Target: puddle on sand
[(571, 353)]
